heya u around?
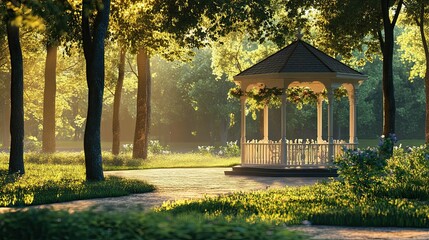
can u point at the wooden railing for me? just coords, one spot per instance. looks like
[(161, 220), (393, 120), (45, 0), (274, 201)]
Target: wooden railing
[(298, 153)]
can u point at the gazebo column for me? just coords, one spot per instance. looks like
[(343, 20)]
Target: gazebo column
[(353, 115), (319, 119), (330, 124), (266, 123), (243, 128), (283, 129)]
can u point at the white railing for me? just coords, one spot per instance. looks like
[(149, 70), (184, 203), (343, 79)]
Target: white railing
[(298, 153)]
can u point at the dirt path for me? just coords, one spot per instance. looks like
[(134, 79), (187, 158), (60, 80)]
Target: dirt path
[(185, 183)]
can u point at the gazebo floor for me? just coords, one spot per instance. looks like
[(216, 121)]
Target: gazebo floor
[(283, 171)]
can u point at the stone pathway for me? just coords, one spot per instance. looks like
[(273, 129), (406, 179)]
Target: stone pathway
[(185, 183)]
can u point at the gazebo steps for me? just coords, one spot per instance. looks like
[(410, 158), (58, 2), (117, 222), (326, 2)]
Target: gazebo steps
[(282, 172)]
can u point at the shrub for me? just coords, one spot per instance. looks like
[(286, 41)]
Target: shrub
[(408, 174), (32, 144), (230, 150), (47, 224), (361, 170), (127, 148), (155, 147), (206, 149)]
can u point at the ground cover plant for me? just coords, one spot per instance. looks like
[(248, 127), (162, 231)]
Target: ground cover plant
[(46, 224), (126, 162), (50, 183), (372, 190)]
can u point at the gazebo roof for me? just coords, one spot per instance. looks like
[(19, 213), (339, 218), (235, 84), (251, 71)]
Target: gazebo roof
[(299, 57)]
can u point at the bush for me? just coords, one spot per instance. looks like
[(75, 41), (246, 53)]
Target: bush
[(361, 170), (206, 149), (155, 147), (32, 144), (230, 150), (407, 174), (47, 224)]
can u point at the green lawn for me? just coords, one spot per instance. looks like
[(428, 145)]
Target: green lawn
[(49, 183)]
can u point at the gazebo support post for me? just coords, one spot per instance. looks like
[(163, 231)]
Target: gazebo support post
[(243, 128), (283, 128), (352, 117), (330, 124), (266, 123), (319, 120)]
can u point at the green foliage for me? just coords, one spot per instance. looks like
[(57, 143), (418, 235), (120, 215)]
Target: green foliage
[(206, 150), (32, 144), (125, 161), (48, 224), (230, 150), (364, 170), (407, 174), (155, 147), (49, 183), (361, 170), (321, 204)]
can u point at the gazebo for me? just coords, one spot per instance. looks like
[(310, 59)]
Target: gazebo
[(297, 65)]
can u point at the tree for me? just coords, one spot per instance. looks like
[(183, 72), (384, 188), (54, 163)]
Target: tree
[(360, 25), (417, 11), (58, 18), (141, 135), (16, 158), (93, 46), (117, 103)]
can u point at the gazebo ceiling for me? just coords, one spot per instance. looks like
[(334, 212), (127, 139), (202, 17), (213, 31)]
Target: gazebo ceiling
[(300, 62)]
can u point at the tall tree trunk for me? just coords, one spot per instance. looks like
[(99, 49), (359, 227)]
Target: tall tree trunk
[(16, 158), (387, 50), (48, 136), (93, 45), (117, 103), (6, 114), (140, 148)]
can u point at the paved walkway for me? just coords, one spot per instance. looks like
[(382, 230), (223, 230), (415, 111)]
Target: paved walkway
[(174, 184)]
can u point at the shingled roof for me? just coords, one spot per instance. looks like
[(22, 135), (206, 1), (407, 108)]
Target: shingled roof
[(299, 57)]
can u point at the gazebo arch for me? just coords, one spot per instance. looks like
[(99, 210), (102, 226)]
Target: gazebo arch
[(297, 65)]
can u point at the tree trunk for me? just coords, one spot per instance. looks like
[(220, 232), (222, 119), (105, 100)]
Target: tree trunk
[(93, 45), (388, 87), (387, 50), (117, 103), (223, 131), (426, 50), (140, 147), (48, 136), (16, 158), (6, 115)]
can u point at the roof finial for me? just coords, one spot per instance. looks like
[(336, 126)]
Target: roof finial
[(299, 34)]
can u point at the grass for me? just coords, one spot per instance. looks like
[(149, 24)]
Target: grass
[(46, 224), (51, 183), (176, 160), (321, 204), (126, 162), (60, 177)]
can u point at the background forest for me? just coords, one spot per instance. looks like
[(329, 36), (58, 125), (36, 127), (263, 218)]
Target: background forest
[(190, 102), (189, 90)]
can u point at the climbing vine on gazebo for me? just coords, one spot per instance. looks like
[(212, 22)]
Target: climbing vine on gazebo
[(259, 97)]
